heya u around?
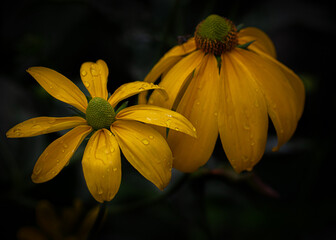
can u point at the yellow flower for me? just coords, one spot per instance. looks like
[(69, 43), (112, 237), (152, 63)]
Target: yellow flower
[(227, 81), (142, 146)]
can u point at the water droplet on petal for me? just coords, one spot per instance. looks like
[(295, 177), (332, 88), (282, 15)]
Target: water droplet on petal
[(168, 122), (177, 129), (36, 126), (65, 145), (151, 137), (245, 158), (17, 132), (83, 73), (37, 170), (145, 141), (112, 149), (115, 169), (86, 84), (246, 126), (94, 72), (216, 114)]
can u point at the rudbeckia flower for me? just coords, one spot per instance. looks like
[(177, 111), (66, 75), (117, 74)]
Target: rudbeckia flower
[(142, 146), (228, 82)]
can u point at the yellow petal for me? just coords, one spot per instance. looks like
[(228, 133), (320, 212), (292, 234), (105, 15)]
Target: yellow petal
[(175, 79), (130, 89), (94, 77), (243, 119), (200, 105), (43, 125), (102, 165), (283, 90), (262, 43), (166, 63), (169, 59), (292, 79), (58, 154), (59, 87), (145, 149), (158, 116)]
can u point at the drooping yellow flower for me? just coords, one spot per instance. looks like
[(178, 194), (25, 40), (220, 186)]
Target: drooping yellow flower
[(227, 81), (142, 146)]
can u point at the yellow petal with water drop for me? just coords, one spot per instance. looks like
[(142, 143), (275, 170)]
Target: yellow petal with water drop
[(176, 79), (102, 165), (158, 116), (58, 154), (94, 77), (242, 119), (262, 43), (199, 104), (59, 87), (43, 125), (130, 89), (283, 91), (145, 149)]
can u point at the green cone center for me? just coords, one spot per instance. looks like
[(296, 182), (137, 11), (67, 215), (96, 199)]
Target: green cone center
[(99, 113), (216, 35), (214, 27)]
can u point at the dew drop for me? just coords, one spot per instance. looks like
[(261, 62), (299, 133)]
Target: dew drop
[(216, 114), (151, 137), (245, 158), (83, 73), (145, 141), (65, 145), (100, 192), (112, 149), (168, 122), (177, 129), (17, 132), (252, 143), (94, 72), (115, 169), (37, 170), (246, 126), (36, 126), (86, 84), (106, 151), (194, 129)]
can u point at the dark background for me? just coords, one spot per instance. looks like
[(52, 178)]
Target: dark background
[(131, 36)]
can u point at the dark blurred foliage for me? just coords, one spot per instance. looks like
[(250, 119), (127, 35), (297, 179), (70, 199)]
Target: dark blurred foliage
[(131, 36)]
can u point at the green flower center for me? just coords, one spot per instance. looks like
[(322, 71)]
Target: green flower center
[(99, 113), (216, 35)]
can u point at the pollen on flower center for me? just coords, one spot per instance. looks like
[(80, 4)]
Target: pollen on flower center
[(216, 35), (99, 113)]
